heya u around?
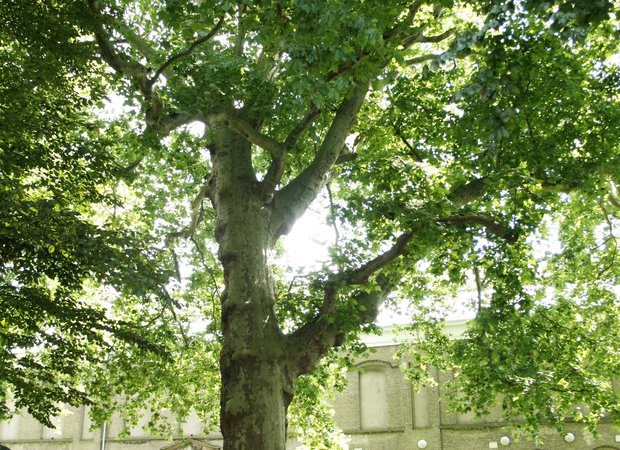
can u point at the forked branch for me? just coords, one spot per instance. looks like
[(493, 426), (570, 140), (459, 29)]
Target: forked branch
[(127, 66), (275, 148), (278, 162), (325, 331)]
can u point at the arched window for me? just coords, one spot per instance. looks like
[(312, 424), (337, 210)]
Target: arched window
[(374, 407)]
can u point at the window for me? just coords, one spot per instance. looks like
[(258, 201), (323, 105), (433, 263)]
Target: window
[(374, 410)]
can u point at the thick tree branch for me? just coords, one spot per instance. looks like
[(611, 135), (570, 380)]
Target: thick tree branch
[(310, 342), (468, 192), (277, 151), (413, 11), (121, 64), (275, 148), (135, 40), (292, 200), (422, 58), (364, 272)]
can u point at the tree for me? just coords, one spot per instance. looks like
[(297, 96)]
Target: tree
[(449, 137), (56, 169)]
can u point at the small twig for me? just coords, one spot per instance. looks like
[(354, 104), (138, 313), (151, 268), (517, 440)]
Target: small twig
[(412, 150), (332, 207), (207, 267)]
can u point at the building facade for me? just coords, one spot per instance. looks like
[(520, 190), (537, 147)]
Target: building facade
[(379, 410)]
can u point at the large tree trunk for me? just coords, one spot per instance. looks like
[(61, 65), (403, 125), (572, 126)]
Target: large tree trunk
[(254, 402), (256, 386)]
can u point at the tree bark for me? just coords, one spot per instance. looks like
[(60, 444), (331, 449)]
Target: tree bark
[(256, 386)]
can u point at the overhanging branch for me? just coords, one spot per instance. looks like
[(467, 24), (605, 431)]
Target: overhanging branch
[(437, 38), (364, 272), (310, 342)]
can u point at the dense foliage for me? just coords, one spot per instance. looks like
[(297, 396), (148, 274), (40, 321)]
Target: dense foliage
[(456, 144)]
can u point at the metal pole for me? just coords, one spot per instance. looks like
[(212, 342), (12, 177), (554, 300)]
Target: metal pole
[(103, 433)]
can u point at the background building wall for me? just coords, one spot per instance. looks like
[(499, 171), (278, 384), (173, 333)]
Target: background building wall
[(379, 410)]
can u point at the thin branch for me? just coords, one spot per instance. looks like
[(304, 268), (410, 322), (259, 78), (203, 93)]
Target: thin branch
[(332, 207), (473, 190), (611, 238), (303, 126), (364, 272), (178, 322), (208, 268), (195, 216), (240, 38), (478, 287), (421, 59), (613, 200), (346, 67), (412, 150), (388, 35), (173, 59), (488, 223), (433, 39)]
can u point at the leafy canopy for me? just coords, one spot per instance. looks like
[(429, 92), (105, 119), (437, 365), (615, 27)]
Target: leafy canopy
[(486, 154)]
